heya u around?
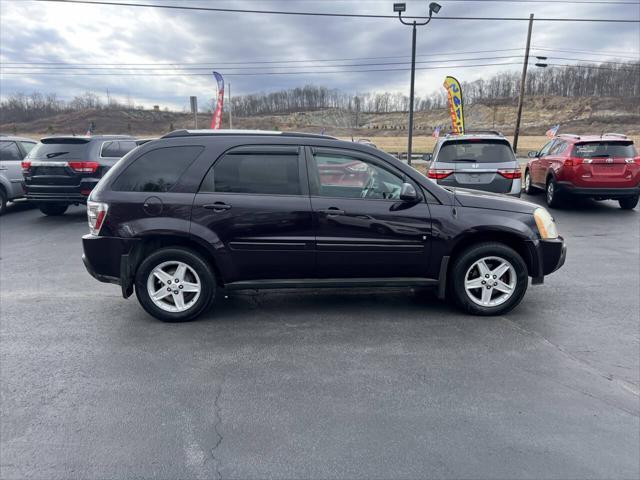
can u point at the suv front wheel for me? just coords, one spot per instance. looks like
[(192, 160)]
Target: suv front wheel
[(175, 284), (489, 279)]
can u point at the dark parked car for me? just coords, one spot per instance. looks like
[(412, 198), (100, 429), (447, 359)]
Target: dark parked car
[(192, 213), (12, 151), (601, 167), (62, 170), (478, 160)]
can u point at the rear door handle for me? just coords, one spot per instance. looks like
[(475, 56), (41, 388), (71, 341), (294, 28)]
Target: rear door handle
[(332, 211), (217, 206)]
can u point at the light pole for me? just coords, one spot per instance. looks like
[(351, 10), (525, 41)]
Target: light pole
[(401, 7)]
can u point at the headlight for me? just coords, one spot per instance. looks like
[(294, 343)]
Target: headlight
[(545, 223)]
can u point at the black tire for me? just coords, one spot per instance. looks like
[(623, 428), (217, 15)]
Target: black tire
[(629, 203), (194, 261), (464, 263), (3, 201), (53, 209), (552, 195), (529, 189)]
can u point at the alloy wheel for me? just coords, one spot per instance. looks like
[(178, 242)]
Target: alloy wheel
[(550, 192), (174, 286), (490, 281)]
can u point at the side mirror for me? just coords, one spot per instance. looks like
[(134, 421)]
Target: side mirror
[(427, 157), (533, 154), (408, 193)]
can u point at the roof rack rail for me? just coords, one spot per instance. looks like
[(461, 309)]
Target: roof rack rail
[(619, 135), (189, 133), (572, 135), (486, 132)]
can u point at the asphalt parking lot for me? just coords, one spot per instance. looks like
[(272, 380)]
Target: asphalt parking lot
[(320, 384)]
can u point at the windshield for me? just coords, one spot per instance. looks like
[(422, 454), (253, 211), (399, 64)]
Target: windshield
[(62, 149), (604, 149), (478, 151)]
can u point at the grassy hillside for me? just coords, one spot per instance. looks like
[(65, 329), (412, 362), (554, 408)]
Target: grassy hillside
[(581, 115)]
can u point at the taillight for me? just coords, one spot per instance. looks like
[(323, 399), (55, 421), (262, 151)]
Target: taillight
[(96, 213), (439, 173), (573, 161), (511, 173), (635, 160), (26, 166), (84, 167)]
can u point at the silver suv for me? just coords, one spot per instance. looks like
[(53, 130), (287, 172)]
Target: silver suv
[(479, 161), (12, 151)]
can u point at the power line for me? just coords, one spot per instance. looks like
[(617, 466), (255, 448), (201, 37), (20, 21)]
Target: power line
[(350, 65), (588, 52), (266, 61), (476, 59), (252, 73), (331, 14), (583, 2)]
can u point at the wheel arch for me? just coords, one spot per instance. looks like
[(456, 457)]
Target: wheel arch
[(150, 244), (514, 240)]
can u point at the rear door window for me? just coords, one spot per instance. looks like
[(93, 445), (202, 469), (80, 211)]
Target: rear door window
[(110, 149), (478, 151), (9, 151), (265, 173), (126, 146), (27, 146), (604, 149), (158, 170)]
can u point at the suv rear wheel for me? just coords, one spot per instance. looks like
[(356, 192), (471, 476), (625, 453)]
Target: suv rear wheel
[(53, 209), (3, 201), (489, 279), (628, 203), (175, 284), (529, 189), (552, 195)]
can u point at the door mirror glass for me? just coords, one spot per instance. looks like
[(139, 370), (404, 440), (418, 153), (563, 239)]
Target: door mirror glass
[(533, 154), (408, 193), (427, 157)]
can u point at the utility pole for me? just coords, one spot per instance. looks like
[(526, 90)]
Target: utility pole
[(522, 85), (194, 109), (399, 8), (230, 109)]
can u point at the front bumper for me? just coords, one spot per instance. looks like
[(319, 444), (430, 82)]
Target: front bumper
[(108, 260), (612, 193), (549, 255)]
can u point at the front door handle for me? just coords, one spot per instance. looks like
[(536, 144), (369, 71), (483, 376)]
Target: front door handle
[(332, 211), (217, 207)]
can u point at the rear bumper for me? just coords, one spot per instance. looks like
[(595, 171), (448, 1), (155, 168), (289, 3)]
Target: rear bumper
[(570, 188), (66, 194), (107, 259)]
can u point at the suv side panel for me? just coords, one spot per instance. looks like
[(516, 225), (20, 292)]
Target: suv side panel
[(256, 234), (365, 237)]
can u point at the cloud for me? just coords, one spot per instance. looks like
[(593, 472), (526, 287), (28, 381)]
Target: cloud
[(37, 32)]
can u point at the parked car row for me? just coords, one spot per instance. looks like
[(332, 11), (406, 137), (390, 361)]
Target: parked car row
[(601, 167), (12, 152)]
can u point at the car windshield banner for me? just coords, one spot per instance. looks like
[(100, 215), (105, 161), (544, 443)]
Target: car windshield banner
[(216, 121), (454, 91)]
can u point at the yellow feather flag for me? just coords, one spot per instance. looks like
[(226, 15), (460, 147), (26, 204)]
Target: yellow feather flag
[(454, 91)]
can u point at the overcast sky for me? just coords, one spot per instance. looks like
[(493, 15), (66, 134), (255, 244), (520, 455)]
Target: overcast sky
[(54, 32)]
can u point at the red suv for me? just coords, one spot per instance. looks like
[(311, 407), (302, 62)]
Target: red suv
[(602, 167)]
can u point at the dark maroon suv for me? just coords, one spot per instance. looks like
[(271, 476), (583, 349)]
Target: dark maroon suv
[(180, 218)]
